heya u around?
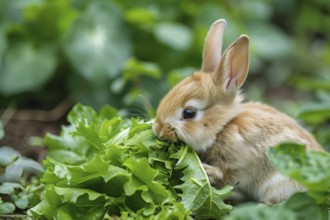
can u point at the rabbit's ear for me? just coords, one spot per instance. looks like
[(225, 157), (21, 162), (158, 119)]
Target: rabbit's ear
[(213, 46), (234, 65)]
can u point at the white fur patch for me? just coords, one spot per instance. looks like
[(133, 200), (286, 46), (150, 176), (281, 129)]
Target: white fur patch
[(197, 104), (199, 141), (271, 183)]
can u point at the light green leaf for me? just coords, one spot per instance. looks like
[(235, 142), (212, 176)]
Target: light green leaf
[(26, 68), (97, 44), (90, 134), (270, 42), (315, 113), (8, 155), (7, 208), (135, 68), (29, 165), (14, 172), (140, 16), (159, 193), (22, 201), (261, 212), (174, 35), (197, 193), (8, 187), (81, 113), (306, 208)]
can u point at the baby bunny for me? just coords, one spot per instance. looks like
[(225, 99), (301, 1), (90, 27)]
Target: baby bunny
[(205, 110)]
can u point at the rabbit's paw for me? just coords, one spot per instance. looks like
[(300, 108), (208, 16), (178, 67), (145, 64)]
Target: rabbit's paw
[(214, 173)]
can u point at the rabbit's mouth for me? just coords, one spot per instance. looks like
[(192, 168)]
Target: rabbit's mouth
[(165, 132)]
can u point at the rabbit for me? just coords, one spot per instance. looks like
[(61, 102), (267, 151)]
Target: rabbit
[(232, 137)]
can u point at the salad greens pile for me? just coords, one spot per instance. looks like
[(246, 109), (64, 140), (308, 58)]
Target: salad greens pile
[(104, 166)]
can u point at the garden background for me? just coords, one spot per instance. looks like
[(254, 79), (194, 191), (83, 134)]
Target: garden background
[(128, 54)]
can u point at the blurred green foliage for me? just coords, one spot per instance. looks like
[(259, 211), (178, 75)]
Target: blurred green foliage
[(129, 53)]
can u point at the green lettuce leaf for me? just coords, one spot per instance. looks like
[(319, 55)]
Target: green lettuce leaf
[(197, 193)]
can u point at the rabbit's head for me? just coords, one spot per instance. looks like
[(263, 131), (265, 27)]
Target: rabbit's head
[(197, 108)]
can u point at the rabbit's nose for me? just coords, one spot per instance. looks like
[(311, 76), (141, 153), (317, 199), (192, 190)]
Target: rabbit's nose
[(168, 133)]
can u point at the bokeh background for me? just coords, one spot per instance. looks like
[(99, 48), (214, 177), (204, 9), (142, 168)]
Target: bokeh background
[(128, 53)]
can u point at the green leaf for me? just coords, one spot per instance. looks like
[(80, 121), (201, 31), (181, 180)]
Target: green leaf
[(8, 155), (261, 212), (135, 68), (29, 165), (26, 68), (7, 208), (9, 188), (270, 42), (306, 208), (90, 134), (54, 16), (97, 43), (197, 193), (174, 35), (315, 113), (81, 113), (22, 201), (309, 168), (140, 16), (72, 203), (159, 193), (14, 172)]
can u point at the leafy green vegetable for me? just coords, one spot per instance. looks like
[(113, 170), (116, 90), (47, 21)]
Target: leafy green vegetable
[(122, 171), (19, 187), (198, 195), (309, 168)]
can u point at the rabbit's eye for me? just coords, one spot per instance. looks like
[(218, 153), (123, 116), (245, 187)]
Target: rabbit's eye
[(189, 113)]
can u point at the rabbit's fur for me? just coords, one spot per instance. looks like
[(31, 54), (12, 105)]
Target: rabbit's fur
[(231, 137)]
